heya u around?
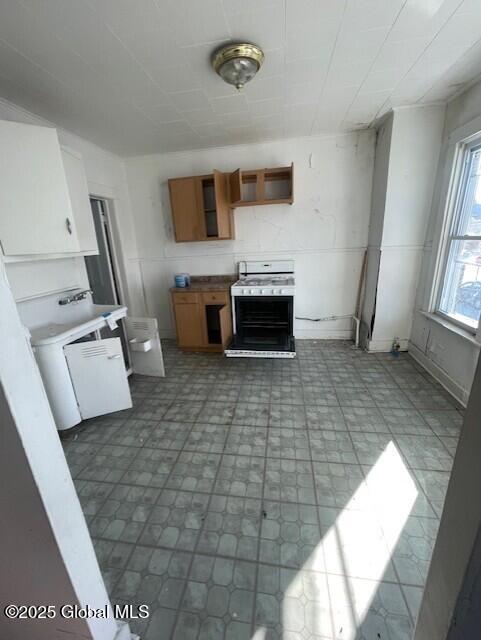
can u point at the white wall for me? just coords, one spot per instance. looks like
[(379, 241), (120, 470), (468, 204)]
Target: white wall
[(458, 529), (325, 230), (106, 177), (407, 153), (47, 553), (449, 356)]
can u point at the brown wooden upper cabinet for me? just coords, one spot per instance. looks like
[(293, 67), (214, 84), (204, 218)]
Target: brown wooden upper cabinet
[(262, 186), (201, 209)]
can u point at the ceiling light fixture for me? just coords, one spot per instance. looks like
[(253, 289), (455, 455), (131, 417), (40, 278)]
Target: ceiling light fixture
[(238, 63)]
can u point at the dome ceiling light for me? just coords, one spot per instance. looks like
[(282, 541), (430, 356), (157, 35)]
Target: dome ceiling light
[(238, 63)]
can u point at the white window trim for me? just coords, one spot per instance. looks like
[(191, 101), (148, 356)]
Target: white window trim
[(455, 161)]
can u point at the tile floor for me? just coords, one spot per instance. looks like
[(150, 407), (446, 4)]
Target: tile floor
[(267, 499)]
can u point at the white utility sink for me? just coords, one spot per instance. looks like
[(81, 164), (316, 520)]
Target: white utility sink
[(50, 343), (87, 319)]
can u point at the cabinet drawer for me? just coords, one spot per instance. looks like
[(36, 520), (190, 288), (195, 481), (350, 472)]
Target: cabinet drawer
[(215, 297), (188, 296)]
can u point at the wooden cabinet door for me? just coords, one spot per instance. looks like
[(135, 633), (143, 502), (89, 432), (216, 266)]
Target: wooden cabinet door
[(35, 210), (225, 325), (190, 324), (235, 186), (224, 212), (186, 206)]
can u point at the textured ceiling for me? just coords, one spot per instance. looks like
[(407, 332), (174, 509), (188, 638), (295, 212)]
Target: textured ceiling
[(134, 75)]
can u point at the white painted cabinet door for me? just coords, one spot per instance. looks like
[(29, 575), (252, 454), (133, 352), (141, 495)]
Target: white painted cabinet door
[(99, 377), (35, 211), (79, 197)]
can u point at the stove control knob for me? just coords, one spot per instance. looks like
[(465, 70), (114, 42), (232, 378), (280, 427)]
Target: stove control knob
[(264, 291), (251, 291), (244, 292), (281, 291)]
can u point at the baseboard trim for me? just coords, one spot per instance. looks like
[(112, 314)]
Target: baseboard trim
[(457, 391), (323, 334), (385, 346)]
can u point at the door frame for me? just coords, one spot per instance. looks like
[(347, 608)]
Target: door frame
[(112, 240), (114, 243)]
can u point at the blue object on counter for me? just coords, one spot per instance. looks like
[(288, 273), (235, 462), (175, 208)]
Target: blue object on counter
[(187, 279), (180, 280)]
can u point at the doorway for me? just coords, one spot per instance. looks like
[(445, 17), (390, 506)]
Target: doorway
[(102, 272)]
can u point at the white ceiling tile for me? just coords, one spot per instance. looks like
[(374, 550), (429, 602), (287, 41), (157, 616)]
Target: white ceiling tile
[(128, 74), (311, 40), (471, 7), (304, 113), (383, 80), (209, 130), (195, 22), (302, 71), (369, 14), (300, 12), (177, 78), (230, 104), (235, 119), (298, 128), (460, 30), (189, 100), (161, 113), (201, 116), (400, 53), (307, 93), (347, 74), (274, 62), (80, 32), (354, 44), (409, 90), (337, 99), (275, 121), (423, 18), (265, 27), (264, 88), (366, 106), (266, 107), (233, 7)]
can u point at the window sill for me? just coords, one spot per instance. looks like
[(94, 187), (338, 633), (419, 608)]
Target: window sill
[(454, 328)]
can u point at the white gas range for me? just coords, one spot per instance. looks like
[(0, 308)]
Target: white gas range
[(263, 310)]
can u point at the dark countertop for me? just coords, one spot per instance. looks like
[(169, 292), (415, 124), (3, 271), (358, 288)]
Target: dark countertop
[(207, 283)]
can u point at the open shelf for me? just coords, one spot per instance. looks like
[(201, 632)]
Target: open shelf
[(214, 332), (209, 206), (261, 186)]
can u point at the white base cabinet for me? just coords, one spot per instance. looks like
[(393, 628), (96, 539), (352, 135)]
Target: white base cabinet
[(99, 378)]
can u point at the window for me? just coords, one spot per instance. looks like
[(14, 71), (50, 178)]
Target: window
[(460, 294)]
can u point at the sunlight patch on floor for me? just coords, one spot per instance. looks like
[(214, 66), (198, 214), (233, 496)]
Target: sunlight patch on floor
[(333, 591)]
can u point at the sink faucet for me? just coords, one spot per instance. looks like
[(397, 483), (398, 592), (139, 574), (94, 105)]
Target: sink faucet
[(75, 297)]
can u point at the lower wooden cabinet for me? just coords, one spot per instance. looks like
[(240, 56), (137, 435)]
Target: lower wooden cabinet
[(203, 321)]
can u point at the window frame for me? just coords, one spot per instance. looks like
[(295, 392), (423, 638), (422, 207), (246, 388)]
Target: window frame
[(456, 192)]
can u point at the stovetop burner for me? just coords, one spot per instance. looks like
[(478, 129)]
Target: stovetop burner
[(263, 281)]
